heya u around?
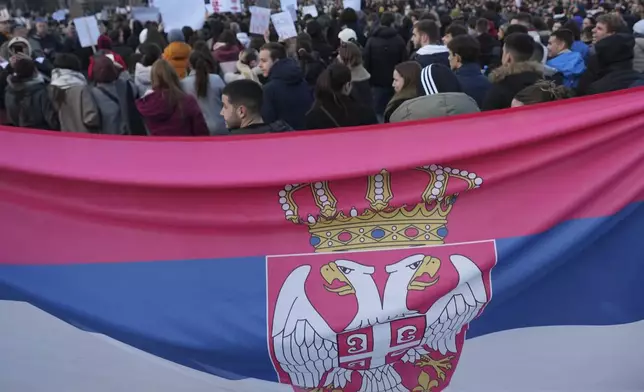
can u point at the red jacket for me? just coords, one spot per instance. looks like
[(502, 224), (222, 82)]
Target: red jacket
[(186, 119)]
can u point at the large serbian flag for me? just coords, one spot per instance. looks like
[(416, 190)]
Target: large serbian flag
[(493, 252)]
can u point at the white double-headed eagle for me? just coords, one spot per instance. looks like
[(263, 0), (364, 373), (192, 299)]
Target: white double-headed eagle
[(306, 347)]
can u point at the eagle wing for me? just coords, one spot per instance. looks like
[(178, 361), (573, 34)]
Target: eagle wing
[(304, 343), (453, 311)]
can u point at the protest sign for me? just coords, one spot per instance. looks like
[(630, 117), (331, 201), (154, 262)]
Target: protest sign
[(5, 16), (284, 5), (220, 6), (145, 14), (353, 4), (177, 14), (87, 29), (260, 18), (310, 10), (284, 25), (59, 15)]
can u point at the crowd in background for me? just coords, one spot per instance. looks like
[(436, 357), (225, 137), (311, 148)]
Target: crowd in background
[(390, 62)]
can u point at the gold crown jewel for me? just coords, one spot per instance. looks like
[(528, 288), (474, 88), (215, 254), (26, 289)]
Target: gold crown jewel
[(381, 225)]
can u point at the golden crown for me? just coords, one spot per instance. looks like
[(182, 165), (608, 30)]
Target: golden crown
[(381, 225)]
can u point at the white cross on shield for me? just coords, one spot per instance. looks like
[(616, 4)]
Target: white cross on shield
[(380, 344)]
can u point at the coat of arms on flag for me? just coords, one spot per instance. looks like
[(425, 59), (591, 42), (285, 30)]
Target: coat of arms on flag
[(383, 305)]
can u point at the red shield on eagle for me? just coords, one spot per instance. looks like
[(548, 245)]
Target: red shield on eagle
[(375, 321)]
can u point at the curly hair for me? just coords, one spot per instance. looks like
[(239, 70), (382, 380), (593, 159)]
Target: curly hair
[(543, 91)]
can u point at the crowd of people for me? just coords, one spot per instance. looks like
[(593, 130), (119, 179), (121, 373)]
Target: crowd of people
[(390, 62)]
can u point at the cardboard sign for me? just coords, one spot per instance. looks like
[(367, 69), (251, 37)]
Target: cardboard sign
[(310, 10), (260, 18), (88, 32), (284, 25)]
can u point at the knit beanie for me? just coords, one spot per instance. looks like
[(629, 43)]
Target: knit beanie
[(437, 78), (175, 35), (104, 42)]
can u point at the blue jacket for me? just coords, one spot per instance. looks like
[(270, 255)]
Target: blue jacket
[(581, 48), (473, 82), (287, 96), (430, 54), (571, 65)]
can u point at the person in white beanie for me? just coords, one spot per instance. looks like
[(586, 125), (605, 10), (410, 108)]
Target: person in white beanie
[(638, 33)]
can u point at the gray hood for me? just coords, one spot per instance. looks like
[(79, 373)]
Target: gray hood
[(142, 75)]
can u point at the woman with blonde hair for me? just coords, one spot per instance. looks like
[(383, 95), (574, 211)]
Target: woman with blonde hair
[(350, 55), (405, 84), (166, 109)]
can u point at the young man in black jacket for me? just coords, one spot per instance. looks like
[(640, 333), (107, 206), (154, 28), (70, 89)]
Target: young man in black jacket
[(384, 50), (242, 109), (515, 73)]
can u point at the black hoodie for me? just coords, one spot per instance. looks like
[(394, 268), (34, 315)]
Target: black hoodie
[(385, 49), (614, 55)]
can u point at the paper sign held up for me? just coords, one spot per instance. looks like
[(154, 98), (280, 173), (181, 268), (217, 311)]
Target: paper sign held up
[(145, 14), (353, 4), (284, 25), (4, 15), (310, 10), (260, 18), (177, 14), (88, 32)]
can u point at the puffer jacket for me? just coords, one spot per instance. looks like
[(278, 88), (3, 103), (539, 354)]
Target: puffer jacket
[(177, 54), (435, 105)]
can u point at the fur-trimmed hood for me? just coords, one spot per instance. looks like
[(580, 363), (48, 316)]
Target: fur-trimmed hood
[(499, 74)]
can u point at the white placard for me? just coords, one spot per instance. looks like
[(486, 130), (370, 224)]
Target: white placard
[(284, 25), (59, 15), (219, 6), (145, 14), (87, 29), (354, 4), (310, 10), (518, 3), (177, 14), (284, 5), (260, 18), (293, 11), (4, 15)]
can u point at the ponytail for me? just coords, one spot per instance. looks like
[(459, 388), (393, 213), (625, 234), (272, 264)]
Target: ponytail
[(203, 68)]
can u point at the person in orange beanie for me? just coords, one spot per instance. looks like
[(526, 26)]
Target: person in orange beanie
[(177, 52)]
